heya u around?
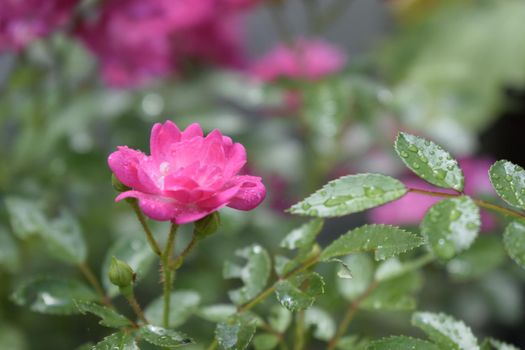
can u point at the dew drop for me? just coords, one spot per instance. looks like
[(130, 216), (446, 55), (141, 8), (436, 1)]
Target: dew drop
[(335, 201), (416, 165), (373, 191), (404, 154), (441, 174), (412, 148), (305, 206), (472, 226), (455, 214)]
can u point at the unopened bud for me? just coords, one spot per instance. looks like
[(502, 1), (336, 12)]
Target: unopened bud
[(207, 225), (117, 185), (120, 273)]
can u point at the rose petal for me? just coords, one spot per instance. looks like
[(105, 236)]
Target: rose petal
[(125, 164), (193, 130), (162, 137), (251, 193)]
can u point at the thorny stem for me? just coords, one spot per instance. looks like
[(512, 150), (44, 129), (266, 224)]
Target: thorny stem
[(149, 235), (479, 202), (167, 274), (136, 307), (299, 331), (175, 264), (349, 315), (92, 279)]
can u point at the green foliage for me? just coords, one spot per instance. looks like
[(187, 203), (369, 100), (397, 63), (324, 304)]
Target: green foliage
[(402, 343), (164, 337), (64, 240), (362, 267), (26, 217), (323, 324), (52, 295), (514, 240), (301, 239), (451, 226), (299, 292), (117, 341), (254, 274), (395, 293), (483, 256), (429, 161), (133, 250), (265, 341), (217, 313), (184, 304), (236, 333), (508, 180), (385, 241), (9, 253), (280, 318), (445, 331), (352, 342), (350, 194), (493, 344), (108, 317)]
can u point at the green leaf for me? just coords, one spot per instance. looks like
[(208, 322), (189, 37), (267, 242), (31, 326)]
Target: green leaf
[(217, 313), (63, 238), (493, 344), (254, 274), (164, 337), (9, 253), (451, 226), (395, 294), (184, 304), (236, 333), (508, 180), (300, 291), (514, 240), (386, 241), (117, 341), (352, 342), (26, 216), (280, 318), (135, 251), (52, 295), (302, 239), (445, 331), (350, 194), (265, 341), (322, 322), (362, 267), (486, 254), (109, 317), (402, 343), (429, 161)]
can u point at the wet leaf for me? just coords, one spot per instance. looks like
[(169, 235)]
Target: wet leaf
[(64, 240), (280, 318), (508, 180), (299, 292), (429, 161), (254, 274), (26, 216), (321, 321), (451, 226), (362, 267), (445, 331), (493, 344), (109, 317), (395, 294), (52, 295), (301, 239), (164, 337), (184, 303), (217, 313), (386, 241), (350, 194), (117, 341), (514, 240), (135, 251), (236, 333), (402, 343)]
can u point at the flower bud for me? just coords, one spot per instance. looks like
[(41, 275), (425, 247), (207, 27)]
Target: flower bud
[(117, 185), (207, 225), (120, 273)]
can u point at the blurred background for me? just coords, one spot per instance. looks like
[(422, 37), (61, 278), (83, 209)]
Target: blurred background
[(315, 89)]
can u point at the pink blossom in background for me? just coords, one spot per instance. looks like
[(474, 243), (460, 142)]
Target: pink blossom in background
[(305, 59), (22, 21), (411, 208), (137, 41), (187, 176)]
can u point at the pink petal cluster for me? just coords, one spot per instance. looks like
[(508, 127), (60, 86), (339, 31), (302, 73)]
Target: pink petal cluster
[(137, 41), (187, 176), (304, 59), (411, 208), (22, 21)]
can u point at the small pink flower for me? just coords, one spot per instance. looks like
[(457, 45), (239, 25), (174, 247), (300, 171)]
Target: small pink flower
[(187, 176), (305, 59), (411, 208), (22, 21)]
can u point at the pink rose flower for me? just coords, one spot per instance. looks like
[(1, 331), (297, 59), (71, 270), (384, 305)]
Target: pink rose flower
[(187, 176), (411, 208), (305, 59), (22, 21)]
